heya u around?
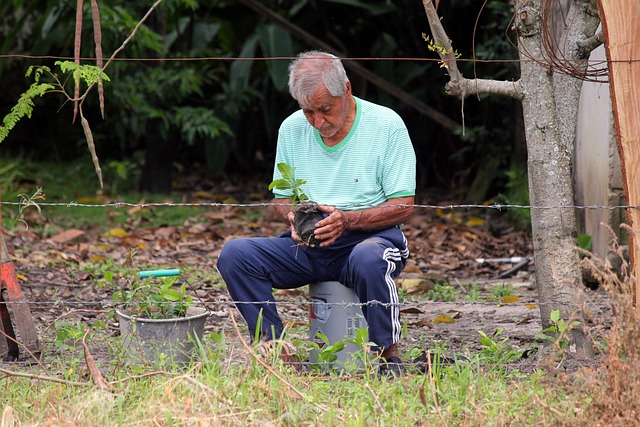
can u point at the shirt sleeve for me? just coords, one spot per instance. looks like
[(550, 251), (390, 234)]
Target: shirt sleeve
[(399, 169)]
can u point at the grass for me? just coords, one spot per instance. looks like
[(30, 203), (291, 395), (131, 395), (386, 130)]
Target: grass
[(76, 183), (216, 392), (228, 386)]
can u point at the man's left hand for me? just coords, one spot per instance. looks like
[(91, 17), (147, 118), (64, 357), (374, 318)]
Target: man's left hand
[(331, 228)]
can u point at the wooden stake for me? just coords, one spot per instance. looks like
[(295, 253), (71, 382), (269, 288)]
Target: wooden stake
[(619, 19)]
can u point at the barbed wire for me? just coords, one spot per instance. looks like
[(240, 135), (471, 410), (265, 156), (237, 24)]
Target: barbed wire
[(592, 62), (496, 206), (534, 304)]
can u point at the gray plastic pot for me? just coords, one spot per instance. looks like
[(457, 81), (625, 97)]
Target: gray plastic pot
[(146, 340)]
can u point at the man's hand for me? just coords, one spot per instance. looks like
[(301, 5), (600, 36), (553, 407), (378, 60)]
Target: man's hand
[(282, 208), (294, 235), (331, 228), (392, 212)]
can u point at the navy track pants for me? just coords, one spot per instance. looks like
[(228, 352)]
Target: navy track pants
[(364, 261)]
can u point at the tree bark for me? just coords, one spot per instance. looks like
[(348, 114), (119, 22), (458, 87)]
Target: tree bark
[(553, 228)]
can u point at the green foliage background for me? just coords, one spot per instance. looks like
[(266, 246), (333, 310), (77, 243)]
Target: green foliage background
[(167, 107)]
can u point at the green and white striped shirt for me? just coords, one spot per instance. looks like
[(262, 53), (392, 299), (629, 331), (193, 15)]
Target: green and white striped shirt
[(374, 163)]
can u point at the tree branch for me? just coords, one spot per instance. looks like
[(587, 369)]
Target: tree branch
[(458, 85), (465, 87), (442, 40), (43, 378)]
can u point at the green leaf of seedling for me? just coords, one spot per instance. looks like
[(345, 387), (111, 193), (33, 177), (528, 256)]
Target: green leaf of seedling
[(286, 171), (280, 184)]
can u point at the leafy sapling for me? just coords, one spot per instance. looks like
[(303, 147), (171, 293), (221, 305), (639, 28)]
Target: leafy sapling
[(558, 332), (88, 74), (288, 182), (306, 211)]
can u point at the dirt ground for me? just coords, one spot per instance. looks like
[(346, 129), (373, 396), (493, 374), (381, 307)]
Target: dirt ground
[(60, 275)]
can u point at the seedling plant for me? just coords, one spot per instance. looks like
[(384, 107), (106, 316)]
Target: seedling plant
[(557, 332), (306, 211)]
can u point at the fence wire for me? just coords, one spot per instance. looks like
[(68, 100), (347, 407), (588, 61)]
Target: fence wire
[(499, 207), (230, 303), (591, 62)]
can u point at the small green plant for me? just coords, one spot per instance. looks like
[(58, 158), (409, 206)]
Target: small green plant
[(287, 182), (325, 353), (27, 201), (443, 292), (557, 332), (68, 334), (500, 291), (152, 300), (306, 214), (498, 352), (473, 293)]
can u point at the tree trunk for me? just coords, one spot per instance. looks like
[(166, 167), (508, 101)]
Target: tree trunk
[(558, 274)]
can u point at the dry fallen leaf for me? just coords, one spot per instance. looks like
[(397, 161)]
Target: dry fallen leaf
[(116, 232), (508, 299), (443, 318)]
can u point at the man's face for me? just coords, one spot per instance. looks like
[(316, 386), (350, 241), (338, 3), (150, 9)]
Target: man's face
[(327, 113)]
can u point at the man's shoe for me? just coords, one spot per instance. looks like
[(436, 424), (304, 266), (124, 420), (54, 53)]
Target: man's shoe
[(391, 366)]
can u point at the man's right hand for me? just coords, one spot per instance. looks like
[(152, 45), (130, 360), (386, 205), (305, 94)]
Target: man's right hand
[(294, 235)]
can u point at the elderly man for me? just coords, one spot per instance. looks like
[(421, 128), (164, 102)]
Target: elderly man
[(359, 165)]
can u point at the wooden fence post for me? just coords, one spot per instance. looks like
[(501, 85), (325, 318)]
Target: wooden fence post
[(620, 20)]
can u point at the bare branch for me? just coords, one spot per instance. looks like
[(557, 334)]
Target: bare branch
[(76, 55), (133, 33), (43, 378), (465, 87)]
